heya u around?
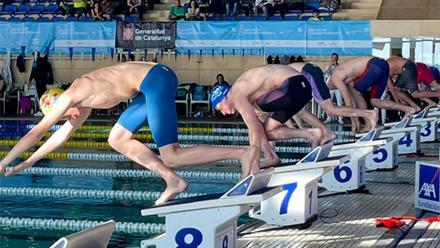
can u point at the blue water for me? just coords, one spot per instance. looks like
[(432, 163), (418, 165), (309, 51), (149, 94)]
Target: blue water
[(82, 209)]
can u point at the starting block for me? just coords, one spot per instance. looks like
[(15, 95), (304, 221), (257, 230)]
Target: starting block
[(351, 174), (210, 221), (428, 132), (408, 136), (95, 237), (297, 203), (427, 186)]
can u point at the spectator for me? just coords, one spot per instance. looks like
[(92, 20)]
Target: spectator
[(79, 8), (193, 10), (106, 6), (118, 7), (299, 59), (132, 6), (204, 7), (232, 7), (220, 80), (42, 74), (262, 5), (315, 17), (217, 8), (96, 10), (247, 7), (61, 8), (278, 6), (177, 12), (335, 94)]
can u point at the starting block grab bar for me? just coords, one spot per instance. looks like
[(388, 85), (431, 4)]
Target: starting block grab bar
[(212, 221)]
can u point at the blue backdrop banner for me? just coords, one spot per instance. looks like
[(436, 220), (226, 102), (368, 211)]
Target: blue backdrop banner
[(343, 37), (275, 37), (28, 34), (57, 36)]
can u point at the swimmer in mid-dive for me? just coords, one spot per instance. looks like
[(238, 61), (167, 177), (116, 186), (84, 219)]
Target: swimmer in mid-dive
[(278, 90), (321, 94), (154, 88), (366, 72)]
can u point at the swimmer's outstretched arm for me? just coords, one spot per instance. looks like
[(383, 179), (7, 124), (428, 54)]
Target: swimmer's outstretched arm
[(38, 132), (56, 140)]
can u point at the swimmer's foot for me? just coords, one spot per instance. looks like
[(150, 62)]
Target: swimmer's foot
[(327, 136), (409, 111), (175, 186), (315, 136), (270, 163)]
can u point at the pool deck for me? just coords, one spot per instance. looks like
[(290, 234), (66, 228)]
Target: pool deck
[(348, 220)]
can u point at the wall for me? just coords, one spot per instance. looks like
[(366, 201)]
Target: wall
[(195, 69), (409, 10)]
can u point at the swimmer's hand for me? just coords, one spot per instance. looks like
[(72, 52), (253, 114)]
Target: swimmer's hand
[(23, 165), (2, 169)]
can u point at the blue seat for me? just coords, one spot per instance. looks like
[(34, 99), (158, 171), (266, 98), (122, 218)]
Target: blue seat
[(291, 17), (32, 1), (85, 19), (71, 19), (29, 19), (51, 9), (9, 9), (229, 18), (37, 9), (213, 18), (43, 19), (294, 11), (58, 19), (118, 19), (23, 9), (18, 1), (314, 5), (243, 18), (14, 19), (275, 18), (131, 19)]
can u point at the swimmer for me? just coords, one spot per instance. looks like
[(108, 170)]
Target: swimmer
[(366, 72), (153, 87), (407, 75), (278, 90), (321, 94)]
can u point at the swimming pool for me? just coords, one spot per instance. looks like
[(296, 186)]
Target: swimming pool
[(94, 196)]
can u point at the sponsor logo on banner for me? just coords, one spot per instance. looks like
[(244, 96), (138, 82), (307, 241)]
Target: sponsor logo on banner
[(128, 33), (146, 35), (429, 183)]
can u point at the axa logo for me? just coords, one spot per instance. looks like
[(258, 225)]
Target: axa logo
[(128, 33), (429, 183), (428, 191)]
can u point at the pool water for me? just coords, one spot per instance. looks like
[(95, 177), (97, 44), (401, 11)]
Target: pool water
[(81, 209), (88, 209)]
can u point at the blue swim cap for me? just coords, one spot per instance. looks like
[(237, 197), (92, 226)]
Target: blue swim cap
[(218, 93)]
